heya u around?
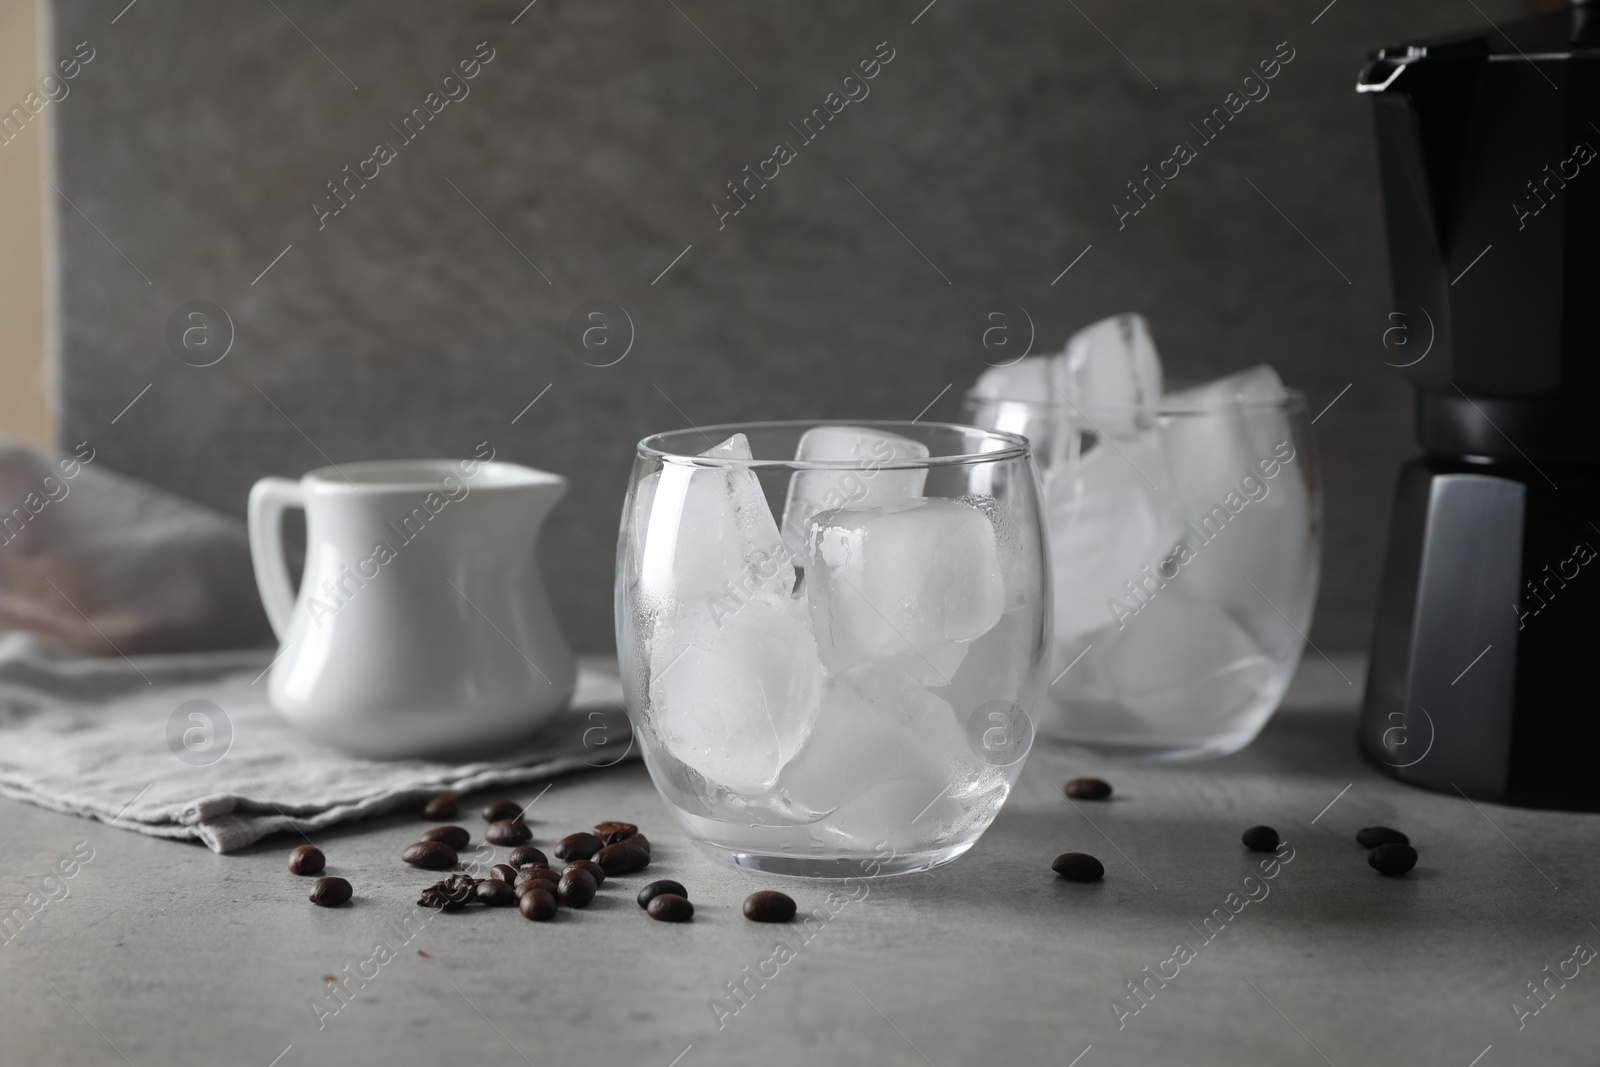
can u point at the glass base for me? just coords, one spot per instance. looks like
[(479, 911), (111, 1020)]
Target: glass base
[(867, 865), (1157, 749)]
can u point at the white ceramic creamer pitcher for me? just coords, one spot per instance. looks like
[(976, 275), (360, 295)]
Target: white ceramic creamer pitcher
[(421, 625)]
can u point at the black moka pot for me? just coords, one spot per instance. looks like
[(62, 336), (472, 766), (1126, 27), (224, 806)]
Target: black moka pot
[(1485, 666)]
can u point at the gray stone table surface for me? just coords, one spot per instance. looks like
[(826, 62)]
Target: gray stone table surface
[(157, 953)]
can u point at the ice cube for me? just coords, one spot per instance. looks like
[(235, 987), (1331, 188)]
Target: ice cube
[(1033, 378), (1245, 498), (814, 491), (1258, 558), (909, 584), (1049, 428), (1181, 667), (707, 542), (1219, 430), (738, 704), (733, 669), (1029, 397), (1110, 516), (1107, 381), (996, 667), (1258, 383), (1112, 364), (876, 727)]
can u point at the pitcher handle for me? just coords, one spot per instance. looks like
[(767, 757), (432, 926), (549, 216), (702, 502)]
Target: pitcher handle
[(269, 499)]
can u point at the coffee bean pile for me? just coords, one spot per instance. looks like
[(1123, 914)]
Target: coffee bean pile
[(527, 880)]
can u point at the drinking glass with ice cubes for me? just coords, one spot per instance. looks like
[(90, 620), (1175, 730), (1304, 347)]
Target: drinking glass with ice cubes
[(1185, 536), (833, 637)]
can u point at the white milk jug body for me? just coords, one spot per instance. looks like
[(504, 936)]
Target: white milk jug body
[(421, 626)]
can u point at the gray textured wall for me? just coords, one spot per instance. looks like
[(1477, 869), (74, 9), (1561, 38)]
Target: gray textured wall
[(426, 315)]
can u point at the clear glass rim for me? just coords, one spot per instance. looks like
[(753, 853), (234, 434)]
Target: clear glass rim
[(1291, 400), (422, 475), (1012, 446)]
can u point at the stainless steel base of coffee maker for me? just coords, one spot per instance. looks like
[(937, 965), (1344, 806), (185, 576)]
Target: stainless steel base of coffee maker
[(1484, 674)]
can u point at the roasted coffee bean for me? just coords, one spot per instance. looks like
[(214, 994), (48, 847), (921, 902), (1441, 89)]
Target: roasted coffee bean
[(451, 894), (503, 872), (1392, 859), (620, 858), (538, 904), (526, 854), (655, 889), (434, 897), (1260, 839), (1087, 789), (501, 810), (595, 870), (1078, 867), (537, 884), (616, 835), (330, 892), (530, 873), (612, 826), (435, 855), (1373, 836), (495, 893), (769, 906), (578, 846), (508, 832), (454, 836), (670, 908), (441, 808), (639, 841), (576, 889), (306, 859), (638, 856)]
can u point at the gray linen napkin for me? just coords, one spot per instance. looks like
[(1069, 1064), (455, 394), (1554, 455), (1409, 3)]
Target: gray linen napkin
[(117, 740)]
